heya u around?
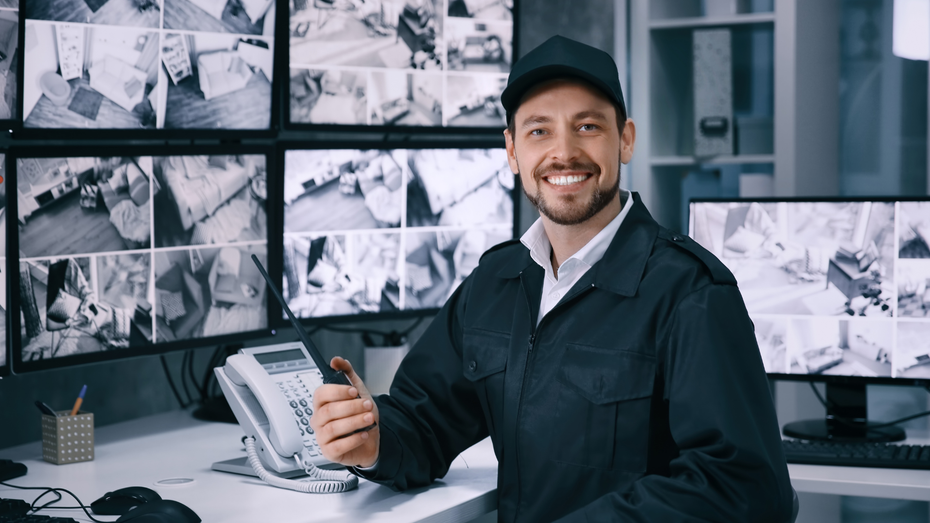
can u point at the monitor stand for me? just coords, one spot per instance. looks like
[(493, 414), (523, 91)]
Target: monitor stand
[(848, 401)]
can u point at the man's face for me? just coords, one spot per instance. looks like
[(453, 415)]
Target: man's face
[(567, 148)]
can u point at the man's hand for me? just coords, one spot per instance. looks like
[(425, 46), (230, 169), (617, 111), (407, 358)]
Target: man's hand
[(338, 411)]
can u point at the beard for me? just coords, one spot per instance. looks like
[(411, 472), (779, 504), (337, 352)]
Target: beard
[(574, 211)]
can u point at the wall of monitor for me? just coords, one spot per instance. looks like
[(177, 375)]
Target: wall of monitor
[(155, 144)]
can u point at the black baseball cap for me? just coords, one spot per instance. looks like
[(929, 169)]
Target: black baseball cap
[(560, 57)]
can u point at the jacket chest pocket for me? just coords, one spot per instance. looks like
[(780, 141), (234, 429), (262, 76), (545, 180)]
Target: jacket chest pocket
[(484, 360), (603, 408)]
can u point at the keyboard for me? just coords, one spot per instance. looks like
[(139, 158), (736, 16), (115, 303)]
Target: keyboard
[(14, 511), (883, 455)]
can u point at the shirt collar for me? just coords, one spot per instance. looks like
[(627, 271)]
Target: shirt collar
[(537, 242)]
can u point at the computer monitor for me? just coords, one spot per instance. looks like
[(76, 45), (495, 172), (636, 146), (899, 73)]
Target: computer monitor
[(182, 67), (135, 254), (388, 231), (9, 61), (422, 64), (837, 290)]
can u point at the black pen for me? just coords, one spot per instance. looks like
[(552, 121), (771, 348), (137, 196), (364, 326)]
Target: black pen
[(45, 408)]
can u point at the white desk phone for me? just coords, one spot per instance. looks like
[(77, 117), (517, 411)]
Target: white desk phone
[(270, 390)]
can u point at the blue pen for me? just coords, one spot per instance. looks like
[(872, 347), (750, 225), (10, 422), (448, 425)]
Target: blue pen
[(78, 401)]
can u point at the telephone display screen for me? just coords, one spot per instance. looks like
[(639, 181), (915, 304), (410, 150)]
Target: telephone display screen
[(276, 357)]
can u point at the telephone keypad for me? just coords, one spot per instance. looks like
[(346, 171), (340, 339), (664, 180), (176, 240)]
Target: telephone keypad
[(294, 387)]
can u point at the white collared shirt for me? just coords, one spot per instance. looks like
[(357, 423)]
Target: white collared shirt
[(572, 269)]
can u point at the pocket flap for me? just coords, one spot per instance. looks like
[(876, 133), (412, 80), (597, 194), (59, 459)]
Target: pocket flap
[(484, 353), (607, 375)]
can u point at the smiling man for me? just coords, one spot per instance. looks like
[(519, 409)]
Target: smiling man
[(611, 361)]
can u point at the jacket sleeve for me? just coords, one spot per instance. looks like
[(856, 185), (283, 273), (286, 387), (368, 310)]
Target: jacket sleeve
[(432, 413), (730, 465)]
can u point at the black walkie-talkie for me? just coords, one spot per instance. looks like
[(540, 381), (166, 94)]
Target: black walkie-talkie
[(330, 375)]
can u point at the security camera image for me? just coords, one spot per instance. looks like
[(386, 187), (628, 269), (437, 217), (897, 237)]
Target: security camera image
[(814, 258), (327, 190), (384, 230), (841, 347), (124, 252), (342, 275), (849, 278), (386, 63)]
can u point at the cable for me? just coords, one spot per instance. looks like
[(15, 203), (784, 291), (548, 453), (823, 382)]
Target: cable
[(33, 507), (319, 482), (402, 333), (190, 372), (174, 389), (57, 490), (849, 422), (184, 363)]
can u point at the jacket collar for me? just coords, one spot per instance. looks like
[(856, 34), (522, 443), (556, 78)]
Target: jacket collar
[(621, 268)]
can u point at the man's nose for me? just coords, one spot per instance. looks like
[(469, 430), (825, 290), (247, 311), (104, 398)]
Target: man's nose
[(565, 147)]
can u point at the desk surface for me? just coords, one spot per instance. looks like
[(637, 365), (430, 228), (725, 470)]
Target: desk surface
[(172, 445)]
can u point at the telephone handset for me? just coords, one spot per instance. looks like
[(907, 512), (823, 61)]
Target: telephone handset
[(270, 390), (244, 370)]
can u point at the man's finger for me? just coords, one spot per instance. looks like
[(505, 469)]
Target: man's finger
[(343, 427), (340, 447), (346, 367), (329, 393), (341, 409)]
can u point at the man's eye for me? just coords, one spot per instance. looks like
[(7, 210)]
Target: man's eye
[(537, 132), (588, 127)]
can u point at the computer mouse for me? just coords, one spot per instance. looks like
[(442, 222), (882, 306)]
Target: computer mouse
[(122, 500), (163, 511)]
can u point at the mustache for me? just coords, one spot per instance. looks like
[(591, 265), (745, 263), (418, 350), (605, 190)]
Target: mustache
[(576, 166)]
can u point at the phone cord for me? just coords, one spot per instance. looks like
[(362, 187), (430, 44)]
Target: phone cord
[(320, 481)]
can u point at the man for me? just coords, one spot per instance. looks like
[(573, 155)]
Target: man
[(612, 362)]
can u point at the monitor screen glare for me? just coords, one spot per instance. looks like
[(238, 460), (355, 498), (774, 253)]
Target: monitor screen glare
[(833, 288), (414, 63), (389, 230), (120, 252), (148, 64)]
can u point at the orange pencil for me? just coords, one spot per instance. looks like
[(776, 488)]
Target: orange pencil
[(78, 401)]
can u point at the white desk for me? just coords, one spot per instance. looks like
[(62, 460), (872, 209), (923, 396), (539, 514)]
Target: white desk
[(861, 481), (171, 445)]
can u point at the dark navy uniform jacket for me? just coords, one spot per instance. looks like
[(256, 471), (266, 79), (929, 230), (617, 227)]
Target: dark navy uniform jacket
[(640, 397)]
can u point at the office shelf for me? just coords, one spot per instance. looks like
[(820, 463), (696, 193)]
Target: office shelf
[(706, 21), (669, 161), (775, 73)]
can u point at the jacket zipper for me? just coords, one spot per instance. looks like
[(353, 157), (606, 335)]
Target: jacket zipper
[(526, 372)]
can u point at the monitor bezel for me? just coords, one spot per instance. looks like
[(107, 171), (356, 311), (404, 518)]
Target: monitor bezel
[(14, 122), (821, 378), (14, 337), (278, 320), (20, 131), (283, 19)]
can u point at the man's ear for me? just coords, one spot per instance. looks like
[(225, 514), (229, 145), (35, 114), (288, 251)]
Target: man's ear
[(511, 152), (627, 141)]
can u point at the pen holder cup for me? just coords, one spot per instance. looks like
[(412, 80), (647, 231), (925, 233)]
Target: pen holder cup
[(68, 439)]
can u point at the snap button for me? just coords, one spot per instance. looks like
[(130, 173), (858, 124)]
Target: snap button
[(677, 238), (472, 366)]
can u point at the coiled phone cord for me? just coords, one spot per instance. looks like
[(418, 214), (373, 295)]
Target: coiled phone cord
[(320, 481)]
